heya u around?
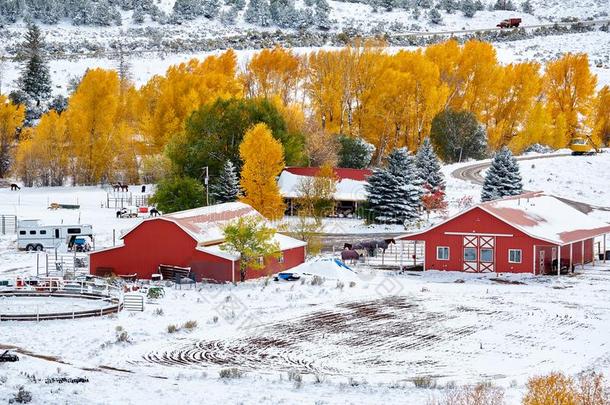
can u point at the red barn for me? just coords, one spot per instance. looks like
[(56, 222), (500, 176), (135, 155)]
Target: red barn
[(529, 233), (192, 239)]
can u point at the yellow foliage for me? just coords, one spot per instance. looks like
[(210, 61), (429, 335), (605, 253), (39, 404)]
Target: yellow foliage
[(92, 116), (552, 389), (11, 118), (601, 117), (273, 72), (568, 87), (263, 158), (167, 101)]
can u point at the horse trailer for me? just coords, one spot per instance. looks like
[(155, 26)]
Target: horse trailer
[(32, 235)]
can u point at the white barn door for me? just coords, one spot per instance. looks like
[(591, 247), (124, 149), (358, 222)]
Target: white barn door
[(479, 254)]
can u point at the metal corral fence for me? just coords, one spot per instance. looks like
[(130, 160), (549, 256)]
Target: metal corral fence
[(402, 254), (110, 298), (8, 224)]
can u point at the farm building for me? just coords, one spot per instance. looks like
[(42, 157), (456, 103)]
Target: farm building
[(189, 239), (530, 233), (349, 192)]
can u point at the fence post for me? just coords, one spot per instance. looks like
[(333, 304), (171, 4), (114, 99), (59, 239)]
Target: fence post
[(3, 225)]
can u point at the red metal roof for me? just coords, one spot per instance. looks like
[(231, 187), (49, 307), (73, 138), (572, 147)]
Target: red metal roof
[(340, 172)]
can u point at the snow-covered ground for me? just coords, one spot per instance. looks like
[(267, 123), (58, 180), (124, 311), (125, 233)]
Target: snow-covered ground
[(351, 343), (582, 178)]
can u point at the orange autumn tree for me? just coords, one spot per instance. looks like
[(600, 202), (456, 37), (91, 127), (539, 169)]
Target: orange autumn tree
[(601, 118), (263, 158)]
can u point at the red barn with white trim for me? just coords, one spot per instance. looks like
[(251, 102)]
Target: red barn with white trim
[(529, 233), (192, 239)]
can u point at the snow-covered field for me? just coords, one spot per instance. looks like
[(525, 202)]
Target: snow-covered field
[(359, 344), (351, 343), (582, 178)]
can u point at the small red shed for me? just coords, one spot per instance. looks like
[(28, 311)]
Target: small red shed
[(529, 233), (192, 239)]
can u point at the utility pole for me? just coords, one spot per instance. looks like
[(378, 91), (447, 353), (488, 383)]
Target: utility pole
[(206, 181)]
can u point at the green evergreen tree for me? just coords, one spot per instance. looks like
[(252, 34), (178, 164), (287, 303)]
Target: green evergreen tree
[(35, 79), (226, 188), (429, 167), (503, 177), (354, 153), (457, 136)]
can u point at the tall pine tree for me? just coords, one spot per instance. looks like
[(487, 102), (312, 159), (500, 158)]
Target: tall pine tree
[(429, 167), (394, 193), (35, 79), (226, 189), (503, 177)]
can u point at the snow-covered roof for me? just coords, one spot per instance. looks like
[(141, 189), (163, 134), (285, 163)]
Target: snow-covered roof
[(205, 224), (283, 241), (346, 189), (546, 217), (540, 216)]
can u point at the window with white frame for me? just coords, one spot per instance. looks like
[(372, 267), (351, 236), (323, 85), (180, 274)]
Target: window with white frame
[(442, 253), (470, 254), (514, 255), (281, 258)]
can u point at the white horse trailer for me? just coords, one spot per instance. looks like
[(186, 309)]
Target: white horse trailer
[(33, 235)]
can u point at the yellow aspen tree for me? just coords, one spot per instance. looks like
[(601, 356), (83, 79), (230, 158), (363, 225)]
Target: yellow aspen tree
[(11, 119), (323, 86), (51, 147), (92, 125), (166, 101), (538, 128), (446, 56), (25, 165), (569, 87), (272, 72), (263, 158), (601, 118), (516, 91)]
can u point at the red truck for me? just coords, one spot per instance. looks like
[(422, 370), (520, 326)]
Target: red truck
[(509, 23)]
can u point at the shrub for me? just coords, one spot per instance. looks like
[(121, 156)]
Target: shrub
[(296, 377), (424, 381), (352, 284), (554, 388), (340, 285), (231, 373), (178, 194), (123, 337), (158, 312), (480, 394), (171, 328), (190, 325), (21, 397), (591, 389), (317, 280)]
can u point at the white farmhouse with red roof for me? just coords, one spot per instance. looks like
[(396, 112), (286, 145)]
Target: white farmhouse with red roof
[(349, 192)]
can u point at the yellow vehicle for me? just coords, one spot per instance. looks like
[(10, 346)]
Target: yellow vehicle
[(582, 146)]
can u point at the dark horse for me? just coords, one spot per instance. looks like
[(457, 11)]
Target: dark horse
[(350, 255), (15, 187), (370, 246), (118, 186), (154, 212)]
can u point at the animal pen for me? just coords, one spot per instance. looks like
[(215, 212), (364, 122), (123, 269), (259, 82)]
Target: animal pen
[(402, 255), (122, 199)]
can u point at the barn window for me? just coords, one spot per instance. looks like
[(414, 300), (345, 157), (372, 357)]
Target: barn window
[(487, 255), (470, 254), (281, 258), (442, 253), (514, 255)]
